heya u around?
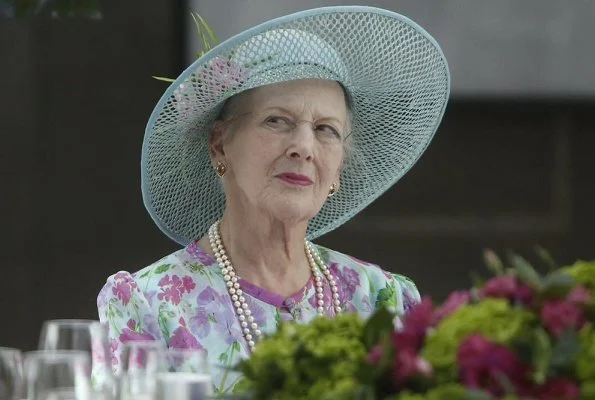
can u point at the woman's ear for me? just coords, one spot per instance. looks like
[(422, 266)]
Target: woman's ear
[(216, 139)]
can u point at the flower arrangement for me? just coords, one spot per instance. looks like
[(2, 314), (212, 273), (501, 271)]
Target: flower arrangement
[(520, 335)]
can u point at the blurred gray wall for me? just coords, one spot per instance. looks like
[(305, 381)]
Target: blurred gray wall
[(515, 48), (511, 165)]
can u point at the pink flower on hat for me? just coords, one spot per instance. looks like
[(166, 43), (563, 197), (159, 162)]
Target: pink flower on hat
[(221, 75), (212, 80)]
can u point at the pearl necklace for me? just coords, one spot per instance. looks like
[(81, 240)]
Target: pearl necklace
[(249, 326)]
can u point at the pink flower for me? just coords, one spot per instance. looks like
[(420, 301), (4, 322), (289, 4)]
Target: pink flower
[(482, 363), (131, 334), (558, 388), (114, 344), (183, 339), (579, 296), (188, 284), (408, 365), (454, 301), (173, 288), (415, 326), (124, 285), (561, 315), (508, 287), (221, 75)]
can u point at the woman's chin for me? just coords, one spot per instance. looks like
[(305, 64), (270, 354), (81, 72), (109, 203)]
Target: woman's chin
[(293, 210)]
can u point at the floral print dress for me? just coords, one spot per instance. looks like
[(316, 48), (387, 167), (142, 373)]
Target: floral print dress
[(182, 300)]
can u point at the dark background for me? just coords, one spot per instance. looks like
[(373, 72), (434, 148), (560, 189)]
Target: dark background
[(75, 95)]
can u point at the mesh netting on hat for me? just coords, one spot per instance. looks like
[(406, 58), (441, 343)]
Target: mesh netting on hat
[(395, 73)]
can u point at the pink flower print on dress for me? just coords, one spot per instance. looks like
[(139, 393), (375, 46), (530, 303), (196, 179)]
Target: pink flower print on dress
[(124, 286), (131, 334), (198, 254), (114, 345), (183, 339), (172, 288)]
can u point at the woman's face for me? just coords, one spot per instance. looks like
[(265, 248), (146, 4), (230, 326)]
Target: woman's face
[(283, 147)]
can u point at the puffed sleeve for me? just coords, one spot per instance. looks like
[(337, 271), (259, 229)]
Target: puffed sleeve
[(407, 293), (125, 307)]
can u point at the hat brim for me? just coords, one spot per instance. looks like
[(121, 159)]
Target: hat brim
[(396, 76)]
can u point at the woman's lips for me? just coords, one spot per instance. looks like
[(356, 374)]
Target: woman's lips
[(295, 179)]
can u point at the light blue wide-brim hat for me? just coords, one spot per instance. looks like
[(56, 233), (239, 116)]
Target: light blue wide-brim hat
[(394, 72)]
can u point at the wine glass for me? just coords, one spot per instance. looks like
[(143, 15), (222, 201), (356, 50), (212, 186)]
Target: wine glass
[(58, 375), (140, 362), (185, 377), (11, 374), (84, 335)]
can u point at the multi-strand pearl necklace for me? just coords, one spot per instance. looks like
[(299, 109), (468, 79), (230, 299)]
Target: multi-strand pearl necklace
[(249, 326)]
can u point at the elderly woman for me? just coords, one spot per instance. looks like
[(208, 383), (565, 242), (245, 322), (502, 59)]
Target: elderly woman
[(269, 140)]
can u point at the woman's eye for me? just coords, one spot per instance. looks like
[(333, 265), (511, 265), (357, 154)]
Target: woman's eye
[(276, 120), (327, 129)]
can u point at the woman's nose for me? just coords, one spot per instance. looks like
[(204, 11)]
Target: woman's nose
[(302, 142)]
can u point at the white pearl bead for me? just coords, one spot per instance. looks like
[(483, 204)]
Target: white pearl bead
[(319, 289), (337, 303), (246, 331), (237, 304), (251, 343), (338, 310), (229, 284), (242, 318), (248, 312), (251, 318), (320, 310), (240, 311), (239, 292), (334, 289), (244, 324), (226, 277), (254, 326), (242, 299), (236, 285), (245, 306), (320, 295), (248, 337), (321, 303), (335, 295), (232, 291), (235, 297), (257, 332)]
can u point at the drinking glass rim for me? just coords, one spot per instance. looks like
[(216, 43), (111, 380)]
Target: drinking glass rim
[(10, 350), (73, 321), (57, 355)]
